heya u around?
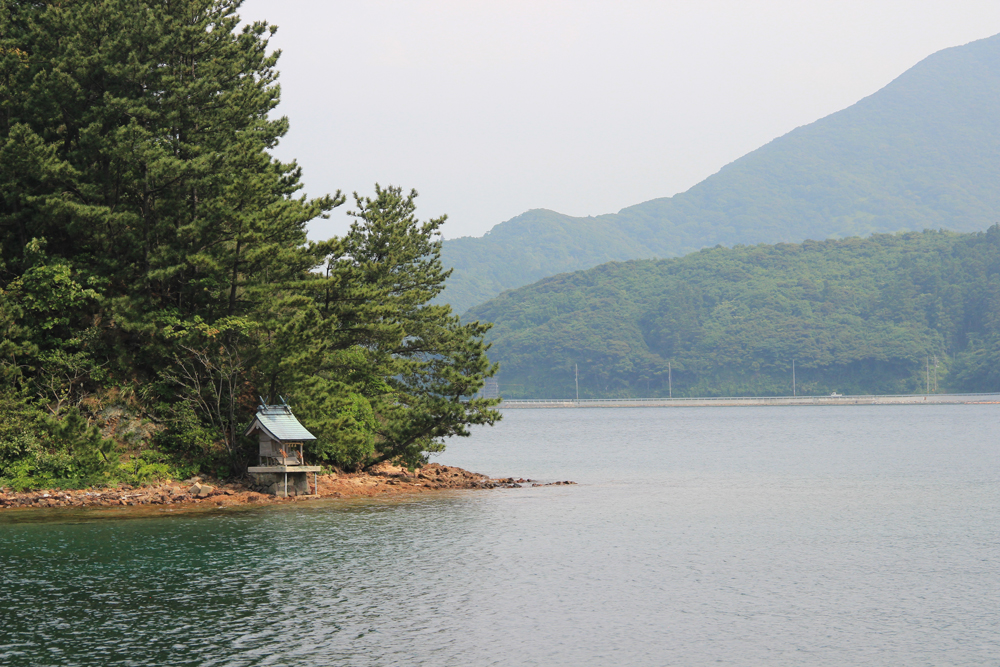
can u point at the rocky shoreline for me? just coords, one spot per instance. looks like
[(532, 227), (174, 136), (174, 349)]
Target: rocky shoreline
[(380, 481)]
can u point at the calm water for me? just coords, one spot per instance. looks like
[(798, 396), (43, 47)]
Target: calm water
[(733, 536)]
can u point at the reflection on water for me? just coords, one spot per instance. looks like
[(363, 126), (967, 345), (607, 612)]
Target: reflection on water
[(734, 536)]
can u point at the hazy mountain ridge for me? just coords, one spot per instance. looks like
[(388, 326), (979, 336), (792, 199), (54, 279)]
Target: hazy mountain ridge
[(531, 246), (919, 153), (857, 316)]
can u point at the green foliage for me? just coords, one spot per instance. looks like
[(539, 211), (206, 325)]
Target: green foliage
[(431, 362), (88, 453), (20, 437), (856, 316), (16, 351), (393, 374), (153, 466), (977, 368), (187, 436), (918, 154), (37, 451), (152, 248), (342, 420)]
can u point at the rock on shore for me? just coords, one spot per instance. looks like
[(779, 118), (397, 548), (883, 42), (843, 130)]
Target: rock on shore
[(380, 480)]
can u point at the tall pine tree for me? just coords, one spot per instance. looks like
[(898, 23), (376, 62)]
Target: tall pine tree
[(135, 139), (148, 239)]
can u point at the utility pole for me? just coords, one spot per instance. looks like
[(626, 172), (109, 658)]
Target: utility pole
[(670, 380), (935, 373), (793, 378), (928, 360), (577, 367)]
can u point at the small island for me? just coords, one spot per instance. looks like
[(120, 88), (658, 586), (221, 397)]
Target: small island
[(156, 278)]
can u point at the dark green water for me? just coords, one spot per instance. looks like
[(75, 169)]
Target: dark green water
[(841, 535)]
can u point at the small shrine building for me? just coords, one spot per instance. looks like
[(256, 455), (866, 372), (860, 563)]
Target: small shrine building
[(282, 469)]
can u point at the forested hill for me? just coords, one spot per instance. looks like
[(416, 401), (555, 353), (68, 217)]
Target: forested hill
[(856, 315), (920, 153)]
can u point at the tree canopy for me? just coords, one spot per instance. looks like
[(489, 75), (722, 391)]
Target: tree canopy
[(154, 262)]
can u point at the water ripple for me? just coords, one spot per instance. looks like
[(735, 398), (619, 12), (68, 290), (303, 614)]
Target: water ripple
[(771, 536)]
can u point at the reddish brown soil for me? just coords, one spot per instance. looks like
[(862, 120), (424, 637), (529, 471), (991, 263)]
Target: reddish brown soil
[(382, 480)]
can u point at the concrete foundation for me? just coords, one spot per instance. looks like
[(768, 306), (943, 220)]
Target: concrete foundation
[(272, 479)]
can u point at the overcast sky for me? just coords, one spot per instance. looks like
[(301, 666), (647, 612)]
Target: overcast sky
[(489, 109)]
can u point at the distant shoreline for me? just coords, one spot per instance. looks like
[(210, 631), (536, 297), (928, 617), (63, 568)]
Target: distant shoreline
[(747, 401)]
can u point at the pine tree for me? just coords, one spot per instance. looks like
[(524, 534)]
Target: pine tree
[(148, 238), (135, 141), (433, 364)]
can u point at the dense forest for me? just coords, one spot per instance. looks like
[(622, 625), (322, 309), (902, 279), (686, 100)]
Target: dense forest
[(885, 314), (918, 154), (155, 278)]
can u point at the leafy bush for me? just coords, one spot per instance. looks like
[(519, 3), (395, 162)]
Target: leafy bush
[(154, 466)]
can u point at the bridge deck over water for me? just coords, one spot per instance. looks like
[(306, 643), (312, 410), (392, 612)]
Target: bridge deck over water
[(902, 399)]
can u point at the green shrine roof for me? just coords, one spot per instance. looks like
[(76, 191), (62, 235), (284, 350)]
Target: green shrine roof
[(279, 423)]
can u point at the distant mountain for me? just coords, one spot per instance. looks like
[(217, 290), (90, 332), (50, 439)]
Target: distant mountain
[(922, 153), (855, 315)]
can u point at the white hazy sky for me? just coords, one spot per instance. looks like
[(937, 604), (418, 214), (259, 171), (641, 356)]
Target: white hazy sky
[(492, 108)]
